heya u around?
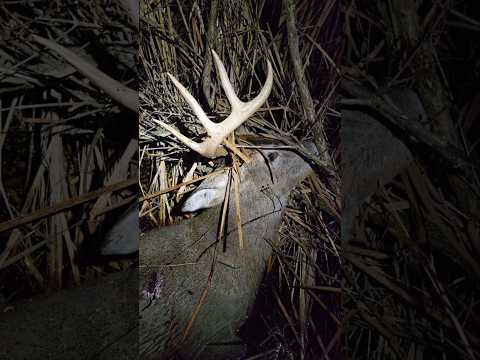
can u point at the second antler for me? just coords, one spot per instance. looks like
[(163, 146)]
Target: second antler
[(217, 132)]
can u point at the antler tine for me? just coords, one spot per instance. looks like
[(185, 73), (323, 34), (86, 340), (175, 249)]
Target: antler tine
[(199, 148), (197, 109), (226, 84), (241, 111)]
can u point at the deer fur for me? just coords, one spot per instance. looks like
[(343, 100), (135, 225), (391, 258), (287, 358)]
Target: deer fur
[(185, 260)]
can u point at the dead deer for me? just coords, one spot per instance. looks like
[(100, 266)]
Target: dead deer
[(196, 288), (184, 267)]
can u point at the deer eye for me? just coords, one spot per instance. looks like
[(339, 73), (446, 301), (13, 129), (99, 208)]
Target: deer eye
[(272, 156)]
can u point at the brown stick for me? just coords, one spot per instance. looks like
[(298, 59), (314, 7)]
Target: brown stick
[(67, 204), (117, 91), (367, 99), (307, 101)]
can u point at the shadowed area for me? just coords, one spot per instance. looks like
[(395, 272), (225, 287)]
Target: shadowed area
[(97, 320)]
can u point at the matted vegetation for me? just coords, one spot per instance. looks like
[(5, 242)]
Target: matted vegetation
[(299, 312), (412, 270), (63, 144)]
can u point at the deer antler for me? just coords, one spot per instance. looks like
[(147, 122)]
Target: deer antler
[(217, 132)]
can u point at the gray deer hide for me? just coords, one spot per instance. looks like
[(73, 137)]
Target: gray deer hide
[(179, 263)]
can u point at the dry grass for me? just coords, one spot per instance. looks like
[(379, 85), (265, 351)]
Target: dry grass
[(304, 271), (411, 266), (60, 143)]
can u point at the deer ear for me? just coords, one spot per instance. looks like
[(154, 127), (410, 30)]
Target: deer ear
[(204, 199), (209, 194)]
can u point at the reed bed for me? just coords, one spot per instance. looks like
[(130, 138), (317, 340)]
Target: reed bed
[(64, 145), (298, 311), (411, 271)]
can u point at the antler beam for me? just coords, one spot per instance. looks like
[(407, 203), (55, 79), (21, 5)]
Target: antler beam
[(217, 132)]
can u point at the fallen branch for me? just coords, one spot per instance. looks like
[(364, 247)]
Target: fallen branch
[(67, 204)]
